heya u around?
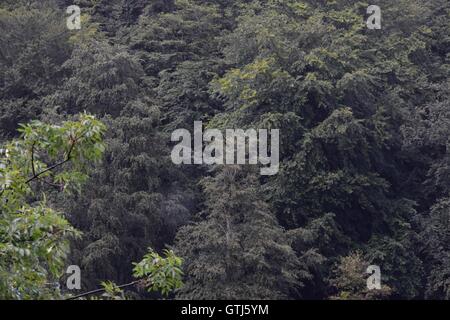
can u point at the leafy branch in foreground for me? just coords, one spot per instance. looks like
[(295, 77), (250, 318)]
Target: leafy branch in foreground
[(153, 272), (158, 273), (33, 236)]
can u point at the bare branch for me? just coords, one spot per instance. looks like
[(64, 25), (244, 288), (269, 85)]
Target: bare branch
[(68, 158), (32, 159), (102, 290)]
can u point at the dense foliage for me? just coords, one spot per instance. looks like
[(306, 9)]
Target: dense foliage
[(35, 237), (364, 118)]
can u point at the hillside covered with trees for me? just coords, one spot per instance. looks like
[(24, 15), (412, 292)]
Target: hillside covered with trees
[(364, 173)]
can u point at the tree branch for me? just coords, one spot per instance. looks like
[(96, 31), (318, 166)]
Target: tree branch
[(68, 158), (102, 290), (32, 159)]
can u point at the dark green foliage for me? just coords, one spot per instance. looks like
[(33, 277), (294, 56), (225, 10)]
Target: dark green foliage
[(238, 251), (101, 78), (33, 46), (363, 117), (34, 236), (436, 240), (342, 159), (135, 198)]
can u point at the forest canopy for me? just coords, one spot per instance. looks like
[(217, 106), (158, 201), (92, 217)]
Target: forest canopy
[(364, 152)]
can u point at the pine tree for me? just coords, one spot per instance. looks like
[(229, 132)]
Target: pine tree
[(33, 45), (136, 198), (238, 250)]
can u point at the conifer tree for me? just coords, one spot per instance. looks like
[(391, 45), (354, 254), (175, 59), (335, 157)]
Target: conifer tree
[(237, 250)]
